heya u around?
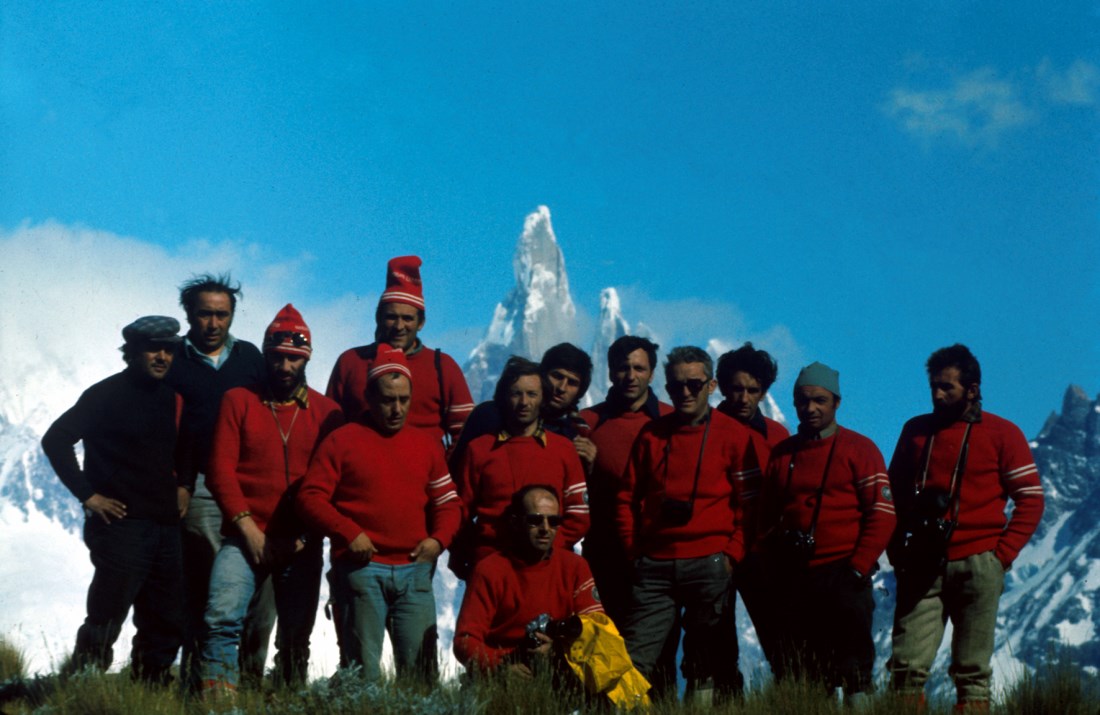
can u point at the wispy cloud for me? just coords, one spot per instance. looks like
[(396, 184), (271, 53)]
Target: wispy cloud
[(975, 109), (1078, 84)]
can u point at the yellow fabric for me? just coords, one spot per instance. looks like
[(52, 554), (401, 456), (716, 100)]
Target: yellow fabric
[(600, 660)]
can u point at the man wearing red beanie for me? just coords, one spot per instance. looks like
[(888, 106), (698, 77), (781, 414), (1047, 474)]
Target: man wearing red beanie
[(263, 440), (380, 490), (442, 400)]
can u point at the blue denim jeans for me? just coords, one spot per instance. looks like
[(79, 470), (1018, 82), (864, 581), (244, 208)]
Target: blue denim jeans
[(233, 582), (376, 598)]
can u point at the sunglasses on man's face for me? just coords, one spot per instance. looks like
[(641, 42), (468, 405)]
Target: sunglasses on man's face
[(533, 520), (296, 339), (694, 386)]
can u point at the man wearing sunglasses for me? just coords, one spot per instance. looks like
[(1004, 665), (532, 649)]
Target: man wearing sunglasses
[(208, 362), (442, 400), (679, 518), (826, 514), (510, 589), (380, 490), (263, 440)]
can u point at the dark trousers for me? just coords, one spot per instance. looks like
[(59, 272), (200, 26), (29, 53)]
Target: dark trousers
[(825, 632), (137, 563), (689, 592)]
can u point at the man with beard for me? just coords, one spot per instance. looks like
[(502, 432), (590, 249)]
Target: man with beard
[(380, 490), (208, 362), (953, 472), (132, 502), (826, 514), (523, 452), (263, 441)]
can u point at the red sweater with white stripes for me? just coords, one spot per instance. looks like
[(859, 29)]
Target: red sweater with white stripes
[(999, 466), (662, 467), (429, 410), (504, 594), (494, 469), (856, 519), (247, 469), (394, 488)]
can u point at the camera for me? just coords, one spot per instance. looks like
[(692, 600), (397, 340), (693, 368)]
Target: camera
[(795, 547), (676, 512), (928, 532), (561, 631)]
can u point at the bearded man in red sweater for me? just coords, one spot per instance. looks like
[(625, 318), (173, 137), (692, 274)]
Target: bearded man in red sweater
[(953, 472), (510, 589), (263, 440), (826, 515), (442, 400), (380, 490), (495, 466), (679, 518)]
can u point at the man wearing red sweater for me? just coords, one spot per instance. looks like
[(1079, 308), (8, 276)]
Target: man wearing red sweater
[(679, 518), (264, 437), (953, 472), (508, 590), (744, 377), (380, 490), (826, 514), (442, 400), (494, 466)]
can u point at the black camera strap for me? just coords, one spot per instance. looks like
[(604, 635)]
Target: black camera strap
[(954, 489), (824, 478)]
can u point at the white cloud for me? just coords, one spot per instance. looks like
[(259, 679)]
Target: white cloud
[(1078, 84), (976, 109)]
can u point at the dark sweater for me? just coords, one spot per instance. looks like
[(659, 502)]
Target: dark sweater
[(202, 388), (128, 426)]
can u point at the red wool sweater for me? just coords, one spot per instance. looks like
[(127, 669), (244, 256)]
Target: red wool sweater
[(247, 471), (394, 488), (662, 466), (856, 518), (493, 470), (348, 386), (504, 594), (999, 465), (614, 437)]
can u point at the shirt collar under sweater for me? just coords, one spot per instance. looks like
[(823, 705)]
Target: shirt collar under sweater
[(300, 395), (823, 434), (215, 362), (539, 436)]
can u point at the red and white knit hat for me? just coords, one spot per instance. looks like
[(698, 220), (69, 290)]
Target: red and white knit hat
[(386, 360), (403, 282), (288, 333)]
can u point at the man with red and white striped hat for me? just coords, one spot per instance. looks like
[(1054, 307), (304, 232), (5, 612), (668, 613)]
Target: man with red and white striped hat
[(380, 490), (442, 400), (264, 437)]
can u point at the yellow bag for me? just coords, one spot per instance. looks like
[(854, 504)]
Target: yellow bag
[(600, 660)]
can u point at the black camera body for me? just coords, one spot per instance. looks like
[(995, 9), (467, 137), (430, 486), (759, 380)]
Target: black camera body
[(676, 512), (561, 631), (795, 547), (928, 532)]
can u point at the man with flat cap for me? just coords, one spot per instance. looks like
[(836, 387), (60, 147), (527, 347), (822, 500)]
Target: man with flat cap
[(826, 515), (442, 400), (132, 502)]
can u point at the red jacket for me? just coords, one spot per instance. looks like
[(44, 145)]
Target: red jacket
[(493, 469), (999, 465), (504, 594), (247, 471), (429, 410), (613, 431), (856, 518), (394, 488), (662, 466)]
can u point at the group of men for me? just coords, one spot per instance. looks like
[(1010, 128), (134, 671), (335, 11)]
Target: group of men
[(677, 507)]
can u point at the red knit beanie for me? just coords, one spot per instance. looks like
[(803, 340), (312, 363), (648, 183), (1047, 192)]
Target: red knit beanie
[(288, 333), (387, 360), (403, 282)]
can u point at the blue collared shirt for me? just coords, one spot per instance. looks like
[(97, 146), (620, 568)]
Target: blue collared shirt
[(214, 362)]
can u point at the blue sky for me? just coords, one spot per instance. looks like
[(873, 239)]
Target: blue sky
[(858, 183)]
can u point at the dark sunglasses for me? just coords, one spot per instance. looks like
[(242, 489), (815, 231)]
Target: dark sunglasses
[(552, 520), (694, 386), (282, 336)]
